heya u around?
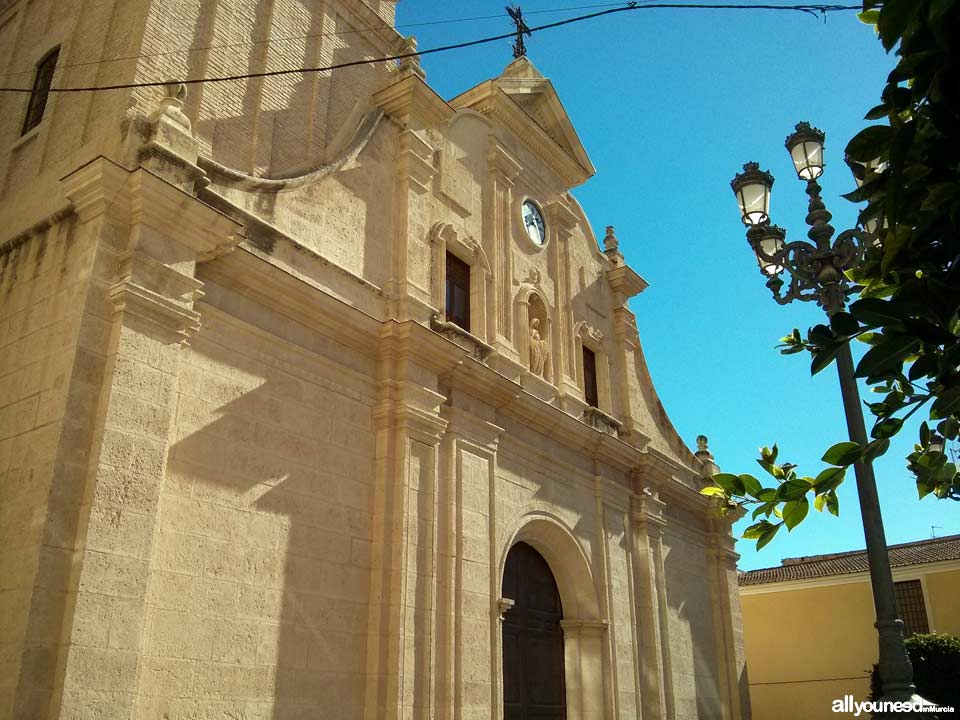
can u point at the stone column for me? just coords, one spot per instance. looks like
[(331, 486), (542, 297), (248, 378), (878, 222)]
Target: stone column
[(656, 685), (150, 236)]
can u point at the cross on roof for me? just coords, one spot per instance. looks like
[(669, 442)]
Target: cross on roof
[(516, 14)]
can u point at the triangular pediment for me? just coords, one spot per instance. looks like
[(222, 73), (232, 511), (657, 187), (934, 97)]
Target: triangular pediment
[(524, 87)]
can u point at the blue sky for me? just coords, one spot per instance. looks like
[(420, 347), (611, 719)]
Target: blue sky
[(669, 104)]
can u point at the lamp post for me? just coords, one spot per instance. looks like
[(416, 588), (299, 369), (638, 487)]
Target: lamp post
[(816, 272)]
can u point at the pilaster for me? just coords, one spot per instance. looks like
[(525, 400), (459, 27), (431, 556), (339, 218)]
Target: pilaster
[(468, 558), (502, 173), (149, 236), (401, 642), (562, 221), (656, 684), (727, 618)]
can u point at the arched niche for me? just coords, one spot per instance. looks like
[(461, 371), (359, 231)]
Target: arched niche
[(534, 332), (584, 630)]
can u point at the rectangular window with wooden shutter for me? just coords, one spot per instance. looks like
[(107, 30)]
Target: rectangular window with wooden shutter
[(458, 292), (590, 393), (42, 80)]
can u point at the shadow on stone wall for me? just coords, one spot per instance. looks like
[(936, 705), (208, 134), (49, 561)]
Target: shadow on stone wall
[(272, 489)]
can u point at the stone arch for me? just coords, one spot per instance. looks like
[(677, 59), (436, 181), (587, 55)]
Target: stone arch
[(584, 629)]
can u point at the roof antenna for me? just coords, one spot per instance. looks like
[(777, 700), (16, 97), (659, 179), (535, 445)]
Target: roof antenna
[(516, 14), (933, 531)]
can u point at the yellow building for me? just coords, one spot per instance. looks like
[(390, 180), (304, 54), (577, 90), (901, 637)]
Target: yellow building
[(808, 624)]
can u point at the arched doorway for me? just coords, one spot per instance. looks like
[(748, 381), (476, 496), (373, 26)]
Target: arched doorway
[(533, 672)]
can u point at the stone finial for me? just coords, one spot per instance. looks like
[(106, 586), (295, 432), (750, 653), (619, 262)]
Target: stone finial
[(611, 246), (169, 148), (610, 241), (411, 65), (704, 455)]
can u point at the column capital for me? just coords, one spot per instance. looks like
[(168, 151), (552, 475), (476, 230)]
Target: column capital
[(584, 627), (501, 163)]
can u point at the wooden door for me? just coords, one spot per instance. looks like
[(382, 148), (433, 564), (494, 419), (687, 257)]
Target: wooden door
[(533, 687)]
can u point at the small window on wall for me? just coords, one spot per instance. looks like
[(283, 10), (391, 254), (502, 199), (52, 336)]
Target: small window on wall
[(41, 90), (911, 608), (458, 292), (590, 378)]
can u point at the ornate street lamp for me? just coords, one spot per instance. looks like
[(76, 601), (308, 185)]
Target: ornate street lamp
[(816, 272)]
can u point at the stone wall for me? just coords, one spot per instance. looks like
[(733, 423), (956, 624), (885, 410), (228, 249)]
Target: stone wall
[(257, 600), (38, 283)]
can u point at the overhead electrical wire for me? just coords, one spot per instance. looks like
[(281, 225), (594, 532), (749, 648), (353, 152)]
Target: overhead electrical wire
[(310, 36), (815, 10)]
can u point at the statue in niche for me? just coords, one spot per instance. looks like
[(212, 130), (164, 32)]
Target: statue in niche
[(539, 350)]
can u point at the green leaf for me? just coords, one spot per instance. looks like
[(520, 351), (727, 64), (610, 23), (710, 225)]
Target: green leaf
[(714, 491), (870, 143), (843, 453), (949, 428), (793, 489), (829, 479), (843, 323), (875, 449), (794, 512), (833, 503), (725, 481), (756, 531), (819, 501), (877, 112), (869, 17), (751, 485), (894, 16), (770, 533), (948, 403), (886, 356), (886, 428), (823, 357), (767, 495), (875, 311)]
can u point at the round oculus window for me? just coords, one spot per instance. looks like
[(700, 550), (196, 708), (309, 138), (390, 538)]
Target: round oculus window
[(533, 222)]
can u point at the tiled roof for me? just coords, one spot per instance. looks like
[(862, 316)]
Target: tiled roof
[(845, 563)]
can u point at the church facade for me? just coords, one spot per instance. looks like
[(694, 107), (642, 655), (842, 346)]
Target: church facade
[(321, 397)]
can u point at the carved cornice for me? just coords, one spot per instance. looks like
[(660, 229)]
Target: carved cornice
[(626, 282), (598, 419), (561, 217), (413, 103), (500, 106), (646, 509), (478, 349), (101, 187)]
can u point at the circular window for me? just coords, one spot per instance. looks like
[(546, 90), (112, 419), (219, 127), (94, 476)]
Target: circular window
[(533, 223)]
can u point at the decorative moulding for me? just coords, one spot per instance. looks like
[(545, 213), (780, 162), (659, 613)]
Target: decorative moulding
[(478, 349), (413, 103), (223, 175)]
